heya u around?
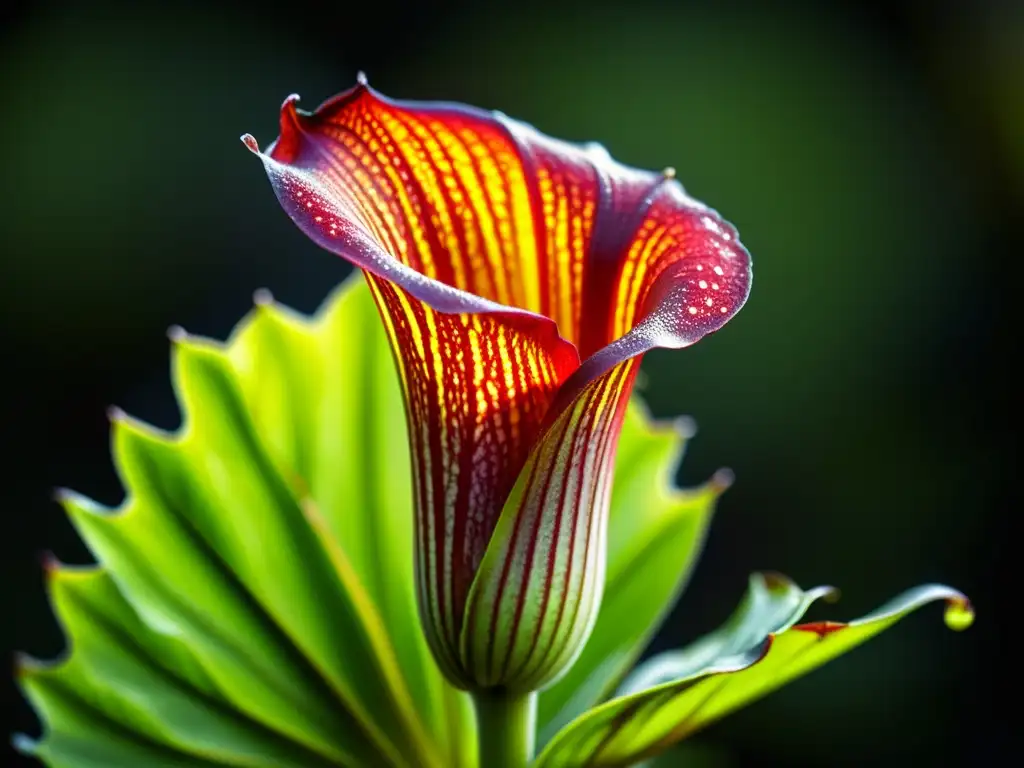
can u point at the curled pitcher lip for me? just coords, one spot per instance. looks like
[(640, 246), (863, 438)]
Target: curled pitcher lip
[(520, 280)]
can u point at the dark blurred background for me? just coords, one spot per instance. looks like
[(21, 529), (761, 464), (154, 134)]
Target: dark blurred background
[(871, 156)]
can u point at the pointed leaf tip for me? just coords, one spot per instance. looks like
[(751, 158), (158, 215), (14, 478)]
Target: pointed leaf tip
[(656, 531), (61, 495), (361, 79), (262, 297), (181, 554), (677, 693), (685, 427), (250, 142), (23, 744), (49, 563), (722, 480), (23, 663), (177, 334)]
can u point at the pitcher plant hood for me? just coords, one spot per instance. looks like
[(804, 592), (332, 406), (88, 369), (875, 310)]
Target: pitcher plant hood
[(520, 280)]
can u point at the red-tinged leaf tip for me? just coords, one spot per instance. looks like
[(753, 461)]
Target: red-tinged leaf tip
[(287, 145), (959, 614), (361, 79), (250, 141), (49, 563), (678, 692), (262, 297), (177, 334), (113, 414), (21, 662), (821, 628)]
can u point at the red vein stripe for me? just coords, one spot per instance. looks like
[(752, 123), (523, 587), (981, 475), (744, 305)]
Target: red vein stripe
[(640, 725), (490, 206), (523, 620), (442, 193), (564, 196), (596, 517), (462, 429)]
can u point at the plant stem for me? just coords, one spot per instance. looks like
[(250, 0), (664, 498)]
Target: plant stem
[(506, 725)]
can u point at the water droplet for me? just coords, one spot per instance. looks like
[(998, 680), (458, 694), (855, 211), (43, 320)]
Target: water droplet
[(711, 225)]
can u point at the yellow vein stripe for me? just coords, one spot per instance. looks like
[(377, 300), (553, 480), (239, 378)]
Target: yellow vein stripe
[(558, 239), (447, 197), (433, 173), (499, 167), (482, 244), (445, 455), (631, 275), (476, 391), (381, 146), (402, 325), (371, 183)]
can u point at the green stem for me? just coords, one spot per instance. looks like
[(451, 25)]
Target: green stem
[(506, 724)]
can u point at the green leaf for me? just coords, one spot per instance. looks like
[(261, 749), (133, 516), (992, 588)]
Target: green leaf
[(326, 389), (255, 603), (164, 703), (262, 564), (655, 535), (759, 649)]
